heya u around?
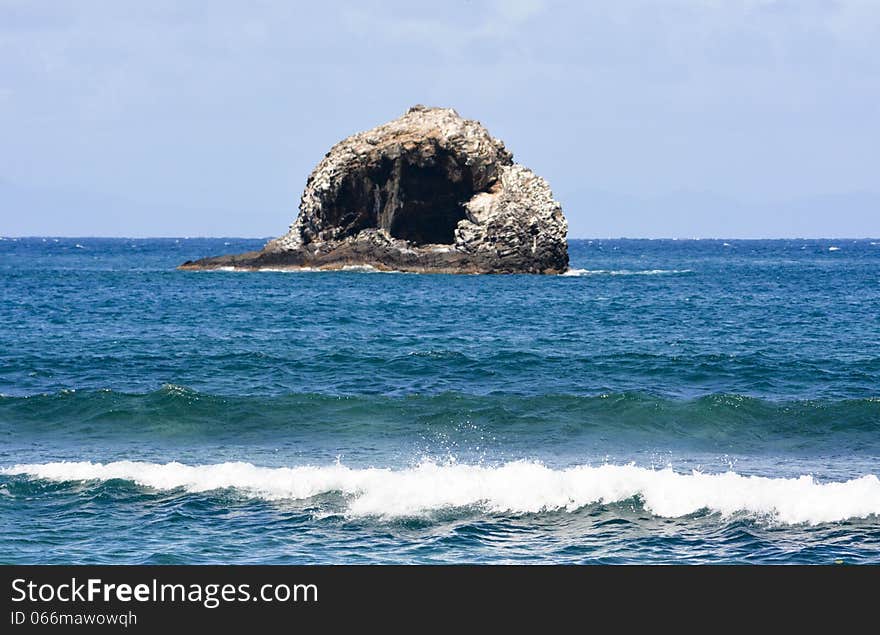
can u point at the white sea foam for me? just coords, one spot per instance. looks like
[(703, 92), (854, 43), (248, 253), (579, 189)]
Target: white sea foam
[(368, 269), (268, 269), (517, 487), (834, 249), (624, 272), (360, 268)]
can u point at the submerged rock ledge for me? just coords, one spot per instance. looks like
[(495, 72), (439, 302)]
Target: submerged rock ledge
[(427, 192)]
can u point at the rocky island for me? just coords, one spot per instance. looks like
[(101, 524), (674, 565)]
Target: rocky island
[(427, 192)]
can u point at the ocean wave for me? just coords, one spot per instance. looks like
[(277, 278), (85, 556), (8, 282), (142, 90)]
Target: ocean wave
[(521, 487), (175, 409), (624, 272)]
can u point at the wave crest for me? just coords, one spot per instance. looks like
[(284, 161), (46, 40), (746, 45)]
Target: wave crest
[(517, 487)]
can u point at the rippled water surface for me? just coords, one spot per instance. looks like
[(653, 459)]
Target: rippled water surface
[(665, 401)]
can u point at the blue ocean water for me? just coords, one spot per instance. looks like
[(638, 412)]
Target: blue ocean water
[(666, 401)]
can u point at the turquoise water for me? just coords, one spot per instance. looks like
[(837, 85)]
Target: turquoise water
[(669, 401)]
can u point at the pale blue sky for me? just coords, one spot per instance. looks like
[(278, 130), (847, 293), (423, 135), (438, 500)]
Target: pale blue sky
[(678, 118)]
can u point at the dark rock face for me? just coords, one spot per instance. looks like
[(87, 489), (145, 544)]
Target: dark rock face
[(428, 192), (418, 198)]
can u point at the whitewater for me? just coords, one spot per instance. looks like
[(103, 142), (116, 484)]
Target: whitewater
[(520, 487)]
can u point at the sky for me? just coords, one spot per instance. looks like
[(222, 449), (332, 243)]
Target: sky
[(681, 118)]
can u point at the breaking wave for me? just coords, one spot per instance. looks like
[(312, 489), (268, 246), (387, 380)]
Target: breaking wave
[(521, 487)]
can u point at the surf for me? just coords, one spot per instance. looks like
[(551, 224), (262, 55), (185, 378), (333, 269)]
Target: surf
[(518, 487)]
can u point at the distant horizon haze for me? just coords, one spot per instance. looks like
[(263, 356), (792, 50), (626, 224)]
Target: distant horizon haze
[(683, 119)]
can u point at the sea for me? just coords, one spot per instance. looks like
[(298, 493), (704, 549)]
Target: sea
[(664, 401)]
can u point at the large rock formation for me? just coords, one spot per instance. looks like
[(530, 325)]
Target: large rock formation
[(428, 192)]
